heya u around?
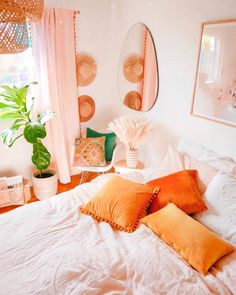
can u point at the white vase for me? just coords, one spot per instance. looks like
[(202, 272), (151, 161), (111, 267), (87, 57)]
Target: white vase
[(45, 188), (131, 158)]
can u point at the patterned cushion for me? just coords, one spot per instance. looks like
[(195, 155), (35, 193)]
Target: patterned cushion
[(90, 151), (110, 142)]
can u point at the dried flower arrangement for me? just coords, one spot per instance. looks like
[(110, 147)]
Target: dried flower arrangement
[(131, 130)]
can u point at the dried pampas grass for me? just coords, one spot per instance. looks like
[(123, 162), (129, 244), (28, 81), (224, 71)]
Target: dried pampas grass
[(131, 130)]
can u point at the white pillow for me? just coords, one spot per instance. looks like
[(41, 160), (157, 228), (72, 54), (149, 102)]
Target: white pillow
[(174, 161), (198, 152), (220, 198), (205, 172)]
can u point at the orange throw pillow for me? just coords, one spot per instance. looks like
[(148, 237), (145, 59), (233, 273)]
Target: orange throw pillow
[(179, 188), (121, 203), (195, 242)]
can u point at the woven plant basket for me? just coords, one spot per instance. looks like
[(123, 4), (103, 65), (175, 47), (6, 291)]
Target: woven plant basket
[(13, 38), (45, 188)]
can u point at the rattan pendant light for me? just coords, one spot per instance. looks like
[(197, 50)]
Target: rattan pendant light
[(13, 28)]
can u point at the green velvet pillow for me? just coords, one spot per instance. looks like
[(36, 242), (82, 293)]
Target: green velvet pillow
[(110, 142)]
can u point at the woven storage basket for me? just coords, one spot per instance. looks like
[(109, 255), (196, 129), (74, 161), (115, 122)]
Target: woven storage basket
[(15, 196)]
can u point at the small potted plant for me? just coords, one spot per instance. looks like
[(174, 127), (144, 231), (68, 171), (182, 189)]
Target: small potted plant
[(17, 106)]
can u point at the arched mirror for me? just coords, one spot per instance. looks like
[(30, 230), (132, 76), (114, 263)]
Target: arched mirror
[(138, 70)]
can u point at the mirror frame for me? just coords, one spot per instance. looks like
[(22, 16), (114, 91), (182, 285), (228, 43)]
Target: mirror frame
[(120, 67)]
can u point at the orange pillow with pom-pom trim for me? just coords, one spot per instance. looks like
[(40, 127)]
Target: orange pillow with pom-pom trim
[(180, 188), (121, 203)]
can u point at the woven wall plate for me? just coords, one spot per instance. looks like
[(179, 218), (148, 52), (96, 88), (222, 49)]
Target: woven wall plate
[(134, 68), (86, 107), (86, 69), (133, 100)]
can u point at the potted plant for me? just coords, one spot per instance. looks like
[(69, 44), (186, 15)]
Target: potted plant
[(17, 106)]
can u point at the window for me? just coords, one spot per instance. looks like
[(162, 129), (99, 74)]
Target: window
[(210, 57), (17, 69)]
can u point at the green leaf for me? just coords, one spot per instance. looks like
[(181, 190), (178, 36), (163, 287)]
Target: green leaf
[(11, 92), (16, 95), (7, 136), (33, 131), (6, 97), (8, 105), (41, 157), (9, 114), (19, 123), (22, 93), (45, 116), (8, 89)]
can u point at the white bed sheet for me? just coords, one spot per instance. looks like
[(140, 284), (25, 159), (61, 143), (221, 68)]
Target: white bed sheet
[(49, 247)]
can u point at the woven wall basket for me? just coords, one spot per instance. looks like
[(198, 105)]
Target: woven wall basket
[(13, 38), (86, 69)]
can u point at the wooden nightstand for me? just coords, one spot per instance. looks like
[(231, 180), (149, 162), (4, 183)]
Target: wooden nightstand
[(120, 167)]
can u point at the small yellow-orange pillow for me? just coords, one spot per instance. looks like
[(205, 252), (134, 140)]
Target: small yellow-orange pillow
[(179, 188), (196, 243), (121, 203)]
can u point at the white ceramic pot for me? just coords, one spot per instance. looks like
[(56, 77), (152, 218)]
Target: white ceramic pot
[(45, 188), (131, 158)]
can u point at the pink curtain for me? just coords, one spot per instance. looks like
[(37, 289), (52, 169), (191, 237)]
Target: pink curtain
[(54, 51), (150, 74)]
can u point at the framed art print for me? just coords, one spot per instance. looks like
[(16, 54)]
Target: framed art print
[(214, 96)]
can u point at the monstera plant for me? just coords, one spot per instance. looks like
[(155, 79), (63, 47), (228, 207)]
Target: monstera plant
[(15, 105)]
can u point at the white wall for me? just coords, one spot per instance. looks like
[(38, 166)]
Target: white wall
[(17, 159), (175, 26)]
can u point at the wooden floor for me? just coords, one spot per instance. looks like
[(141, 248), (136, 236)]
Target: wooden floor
[(75, 180)]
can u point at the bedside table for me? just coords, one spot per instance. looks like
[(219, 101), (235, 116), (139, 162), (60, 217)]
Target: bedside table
[(120, 167)]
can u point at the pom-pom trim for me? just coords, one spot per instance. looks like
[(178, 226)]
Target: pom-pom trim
[(117, 226)]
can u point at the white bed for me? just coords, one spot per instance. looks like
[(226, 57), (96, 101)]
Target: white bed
[(49, 247)]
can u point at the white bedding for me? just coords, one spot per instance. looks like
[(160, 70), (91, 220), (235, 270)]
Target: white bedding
[(48, 247)]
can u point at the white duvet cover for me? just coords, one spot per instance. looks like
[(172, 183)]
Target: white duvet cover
[(49, 247)]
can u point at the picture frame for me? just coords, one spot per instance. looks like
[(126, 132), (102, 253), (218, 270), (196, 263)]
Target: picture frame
[(214, 95)]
